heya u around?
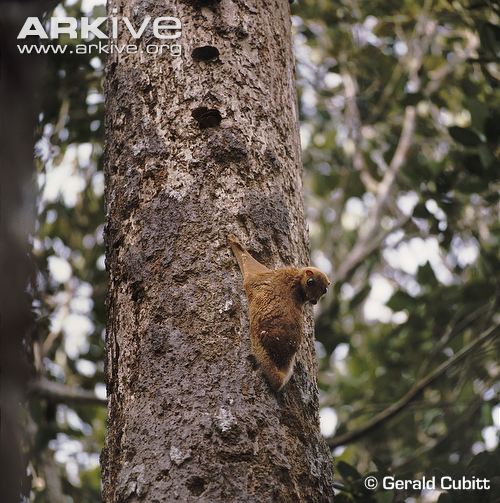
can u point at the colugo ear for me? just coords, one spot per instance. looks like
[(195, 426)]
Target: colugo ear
[(309, 273)]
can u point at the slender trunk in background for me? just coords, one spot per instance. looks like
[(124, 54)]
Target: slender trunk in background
[(199, 146), (20, 77)]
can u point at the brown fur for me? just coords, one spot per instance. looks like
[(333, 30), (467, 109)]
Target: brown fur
[(275, 304)]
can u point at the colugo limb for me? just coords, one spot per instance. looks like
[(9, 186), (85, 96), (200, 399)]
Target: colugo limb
[(275, 306)]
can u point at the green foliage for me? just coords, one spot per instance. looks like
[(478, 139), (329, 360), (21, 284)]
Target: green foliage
[(427, 281), (353, 487)]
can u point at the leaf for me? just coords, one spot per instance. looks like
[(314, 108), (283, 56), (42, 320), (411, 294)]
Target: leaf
[(385, 497), (347, 471), (492, 128), (473, 164), (490, 37), (425, 275), (420, 211), (400, 301), (382, 466), (465, 136), (360, 296), (444, 498), (412, 99), (343, 498)]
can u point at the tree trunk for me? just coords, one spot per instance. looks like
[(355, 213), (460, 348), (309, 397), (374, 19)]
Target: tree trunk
[(200, 146), (20, 76)]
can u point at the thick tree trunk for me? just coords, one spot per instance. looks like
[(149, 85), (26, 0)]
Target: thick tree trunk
[(198, 147)]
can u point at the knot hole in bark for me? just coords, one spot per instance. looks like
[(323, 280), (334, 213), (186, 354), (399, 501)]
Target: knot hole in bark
[(206, 117), (196, 485), (205, 53), (204, 3)]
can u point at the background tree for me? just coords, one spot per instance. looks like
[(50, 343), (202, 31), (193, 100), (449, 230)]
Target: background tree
[(405, 306), (19, 104)]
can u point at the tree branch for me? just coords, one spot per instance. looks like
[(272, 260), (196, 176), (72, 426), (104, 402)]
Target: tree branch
[(62, 393), (400, 405), (367, 241), (472, 408), (353, 120), (362, 249)]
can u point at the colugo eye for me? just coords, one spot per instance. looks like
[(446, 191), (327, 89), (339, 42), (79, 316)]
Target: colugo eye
[(310, 281)]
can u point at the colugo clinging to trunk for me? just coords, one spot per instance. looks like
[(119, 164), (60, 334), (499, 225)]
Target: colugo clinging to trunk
[(275, 306)]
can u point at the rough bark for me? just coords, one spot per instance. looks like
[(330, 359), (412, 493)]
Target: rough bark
[(190, 417)]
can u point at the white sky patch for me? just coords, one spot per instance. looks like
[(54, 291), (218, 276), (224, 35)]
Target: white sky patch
[(96, 63), (94, 98), (409, 256), (490, 436), (370, 22), (53, 368), (62, 180), (66, 453), (321, 261), (59, 11), (394, 238), (43, 149), (328, 421), (495, 413), (60, 248), (98, 183), (445, 117), (346, 291), (332, 80), (100, 390), (309, 99), (338, 357), (101, 263), (81, 305), (65, 447), (433, 208), (86, 367), (84, 153), (99, 234), (400, 317), (66, 416), (477, 447), (363, 33), (374, 307), (465, 251), (59, 269), (76, 328), (412, 86), (341, 351), (305, 135), (88, 241), (354, 213), (406, 202), (320, 350), (88, 5), (400, 48)]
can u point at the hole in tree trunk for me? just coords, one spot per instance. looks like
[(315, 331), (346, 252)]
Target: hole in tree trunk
[(206, 117), (196, 485), (205, 53), (203, 3)]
